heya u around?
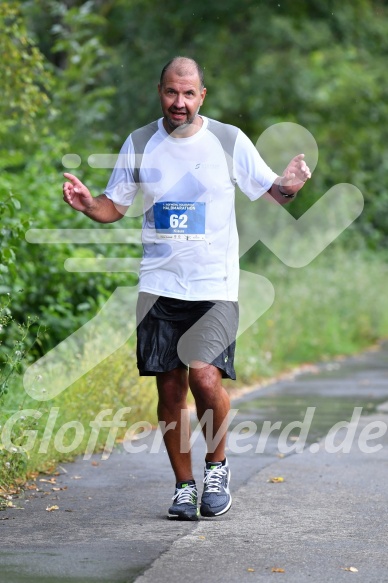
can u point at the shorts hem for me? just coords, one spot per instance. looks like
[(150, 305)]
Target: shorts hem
[(152, 373)]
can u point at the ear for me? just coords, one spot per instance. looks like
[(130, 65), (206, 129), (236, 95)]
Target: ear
[(203, 94)]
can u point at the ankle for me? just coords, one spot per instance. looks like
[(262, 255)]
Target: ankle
[(215, 461)]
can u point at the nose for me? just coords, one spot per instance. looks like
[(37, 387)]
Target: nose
[(179, 102)]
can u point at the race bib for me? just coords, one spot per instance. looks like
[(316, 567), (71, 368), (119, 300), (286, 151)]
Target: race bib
[(180, 220)]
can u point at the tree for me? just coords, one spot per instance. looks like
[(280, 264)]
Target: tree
[(24, 79)]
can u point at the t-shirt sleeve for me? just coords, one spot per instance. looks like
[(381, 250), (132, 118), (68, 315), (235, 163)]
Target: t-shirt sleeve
[(122, 188), (254, 177)]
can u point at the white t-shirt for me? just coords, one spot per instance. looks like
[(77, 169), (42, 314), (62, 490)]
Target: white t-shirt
[(189, 236)]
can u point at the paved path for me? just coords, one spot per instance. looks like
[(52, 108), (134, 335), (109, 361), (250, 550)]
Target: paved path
[(329, 515)]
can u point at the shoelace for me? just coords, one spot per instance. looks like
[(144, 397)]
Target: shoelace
[(185, 495), (213, 479)]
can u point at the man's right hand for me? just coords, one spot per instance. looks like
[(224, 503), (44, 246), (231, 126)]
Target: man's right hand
[(76, 194), (99, 208)]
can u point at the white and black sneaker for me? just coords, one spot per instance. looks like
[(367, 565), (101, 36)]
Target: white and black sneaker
[(216, 498), (185, 500)]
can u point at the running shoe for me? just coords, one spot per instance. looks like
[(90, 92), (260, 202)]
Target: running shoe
[(216, 498), (184, 502)]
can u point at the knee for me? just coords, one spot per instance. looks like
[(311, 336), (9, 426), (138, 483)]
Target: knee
[(172, 388), (206, 388)]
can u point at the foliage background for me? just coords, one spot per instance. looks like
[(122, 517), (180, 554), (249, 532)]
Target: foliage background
[(77, 77)]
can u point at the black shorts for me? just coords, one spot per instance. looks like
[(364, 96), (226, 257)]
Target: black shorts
[(172, 333)]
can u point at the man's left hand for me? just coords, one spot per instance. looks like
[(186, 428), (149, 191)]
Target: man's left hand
[(295, 175)]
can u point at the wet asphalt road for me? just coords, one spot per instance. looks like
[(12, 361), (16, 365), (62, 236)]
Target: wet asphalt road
[(330, 511)]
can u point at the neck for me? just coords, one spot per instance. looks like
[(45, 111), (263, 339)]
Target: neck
[(186, 130)]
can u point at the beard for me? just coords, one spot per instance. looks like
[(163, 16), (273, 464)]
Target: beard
[(176, 124)]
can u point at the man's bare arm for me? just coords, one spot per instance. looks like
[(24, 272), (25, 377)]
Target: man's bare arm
[(99, 208)]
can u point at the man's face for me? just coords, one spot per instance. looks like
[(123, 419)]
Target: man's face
[(180, 98)]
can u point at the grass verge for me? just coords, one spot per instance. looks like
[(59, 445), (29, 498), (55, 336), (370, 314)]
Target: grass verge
[(335, 306)]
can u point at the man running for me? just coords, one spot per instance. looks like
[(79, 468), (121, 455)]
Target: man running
[(187, 167)]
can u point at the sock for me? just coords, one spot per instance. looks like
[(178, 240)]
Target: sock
[(215, 463), (185, 483)]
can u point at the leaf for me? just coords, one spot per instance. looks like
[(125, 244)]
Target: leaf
[(351, 569), (276, 479), (277, 570), (12, 505), (52, 508), (16, 203), (33, 475), (250, 570), (8, 254), (50, 481)]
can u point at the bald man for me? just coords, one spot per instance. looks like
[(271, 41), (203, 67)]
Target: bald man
[(187, 166)]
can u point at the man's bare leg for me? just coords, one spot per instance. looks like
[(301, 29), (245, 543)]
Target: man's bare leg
[(213, 404), (211, 399), (172, 408)]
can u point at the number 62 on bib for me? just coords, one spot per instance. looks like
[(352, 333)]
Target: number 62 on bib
[(180, 220)]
